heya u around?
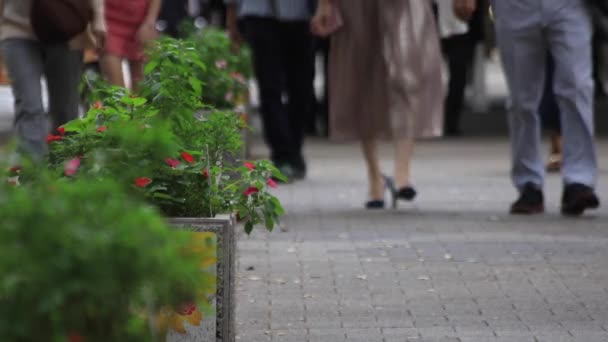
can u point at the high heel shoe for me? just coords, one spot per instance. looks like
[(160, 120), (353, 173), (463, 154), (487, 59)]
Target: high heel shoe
[(406, 193), (379, 204)]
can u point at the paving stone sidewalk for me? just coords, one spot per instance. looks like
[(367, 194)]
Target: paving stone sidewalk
[(451, 267)]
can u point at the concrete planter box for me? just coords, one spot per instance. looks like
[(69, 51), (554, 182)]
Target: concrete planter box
[(220, 328)]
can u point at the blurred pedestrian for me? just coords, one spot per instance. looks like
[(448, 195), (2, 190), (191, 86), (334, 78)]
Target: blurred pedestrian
[(385, 82), (131, 26), (526, 31), (29, 57), (173, 12), (459, 40), (283, 59)]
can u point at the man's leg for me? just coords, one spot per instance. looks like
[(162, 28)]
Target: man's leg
[(523, 51), (570, 42), (570, 33), (63, 68), (459, 51), (298, 49), (24, 63), (262, 34)]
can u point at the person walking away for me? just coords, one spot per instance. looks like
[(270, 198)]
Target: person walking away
[(131, 26), (385, 82), (28, 58), (283, 59), (526, 31)]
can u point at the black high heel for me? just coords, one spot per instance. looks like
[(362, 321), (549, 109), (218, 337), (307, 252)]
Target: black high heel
[(379, 204), (406, 193)]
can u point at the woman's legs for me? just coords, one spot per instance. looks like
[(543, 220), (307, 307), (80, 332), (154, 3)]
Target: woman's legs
[(111, 66), (374, 174), (404, 148), (137, 73)]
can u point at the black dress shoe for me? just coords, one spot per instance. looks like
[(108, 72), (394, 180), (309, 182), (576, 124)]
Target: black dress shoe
[(530, 202), (577, 198)]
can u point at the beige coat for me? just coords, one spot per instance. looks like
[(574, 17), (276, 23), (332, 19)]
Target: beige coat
[(15, 22)]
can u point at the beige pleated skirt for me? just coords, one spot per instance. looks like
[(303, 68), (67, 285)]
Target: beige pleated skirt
[(386, 72)]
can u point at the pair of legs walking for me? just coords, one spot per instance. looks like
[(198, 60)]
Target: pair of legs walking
[(400, 186), (526, 31), (27, 62), (283, 57)]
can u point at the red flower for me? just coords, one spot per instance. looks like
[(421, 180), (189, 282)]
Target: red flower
[(74, 337), (61, 131), (205, 173), (15, 169), (271, 183), (188, 157), (172, 162), (102, 129), (187, 309), (249, 165), (142, 182), (251, 190), (97, 105), (72, 166), (51, 138)]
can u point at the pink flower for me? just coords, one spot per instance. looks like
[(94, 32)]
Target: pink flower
[(61, 131), (102, 129), (188, 157), (271, 183), (249, 165), (52, 138), (251, 190), (229, 96), (142, 182), (72, 166), (172, 162), (221, 64), (237, 76)]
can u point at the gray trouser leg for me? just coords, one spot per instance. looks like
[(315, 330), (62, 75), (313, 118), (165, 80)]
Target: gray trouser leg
[(523, 54), (24, 62), (570, 44), (526, 30), (27, 61)]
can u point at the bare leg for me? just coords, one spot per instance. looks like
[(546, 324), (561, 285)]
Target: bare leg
[(111, 67), (137, 74), (403, 154), (376, 183)]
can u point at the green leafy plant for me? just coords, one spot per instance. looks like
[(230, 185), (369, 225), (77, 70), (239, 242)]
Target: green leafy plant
[(226, 75), (80, 260), (185, 166)]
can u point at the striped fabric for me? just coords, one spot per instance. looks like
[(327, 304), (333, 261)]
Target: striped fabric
[(285, 10)]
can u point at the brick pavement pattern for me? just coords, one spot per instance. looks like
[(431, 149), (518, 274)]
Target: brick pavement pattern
[(452, 267)]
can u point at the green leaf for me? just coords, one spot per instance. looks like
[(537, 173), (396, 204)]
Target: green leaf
[(150, 66)]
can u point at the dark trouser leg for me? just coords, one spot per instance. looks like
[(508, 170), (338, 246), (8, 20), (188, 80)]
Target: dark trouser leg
[(298, 49), (264, 37), (63, 68), (459, 51)]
